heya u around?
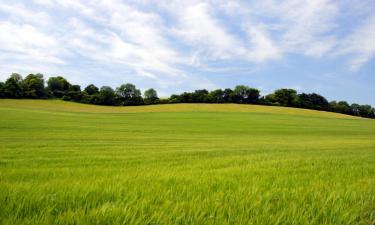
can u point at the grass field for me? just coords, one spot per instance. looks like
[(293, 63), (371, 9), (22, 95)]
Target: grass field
[(67, 163)]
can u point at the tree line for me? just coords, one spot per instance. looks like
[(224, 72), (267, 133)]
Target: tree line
[(33, 86)]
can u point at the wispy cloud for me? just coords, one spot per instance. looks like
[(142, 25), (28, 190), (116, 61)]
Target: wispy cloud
[(172, 44)]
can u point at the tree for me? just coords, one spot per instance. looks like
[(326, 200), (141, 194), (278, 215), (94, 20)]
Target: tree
[(286, 97), (199, 96), (340, 107), (106, 96), (33, 85), (91, 89), (128, 94), (175, 99), (245, 94), (13, 86), (313, 101), (270, 99), (227, 95), (74, 93), (363, 110), (216, 96), (58, 86), (151, 96), (2, 90)]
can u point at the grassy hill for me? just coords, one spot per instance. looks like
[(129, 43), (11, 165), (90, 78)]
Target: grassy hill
[(69, 163)]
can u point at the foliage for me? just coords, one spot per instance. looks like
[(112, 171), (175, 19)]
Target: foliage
[(13, 86), (58, 86), (106, 96), (151, 96), (91, 90), (285, 97), (33, 86), (127, 94)]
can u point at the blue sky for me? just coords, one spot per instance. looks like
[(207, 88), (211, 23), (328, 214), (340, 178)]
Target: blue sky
[(318, 46)]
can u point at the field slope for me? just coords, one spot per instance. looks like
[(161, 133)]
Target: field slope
[(68, 163)]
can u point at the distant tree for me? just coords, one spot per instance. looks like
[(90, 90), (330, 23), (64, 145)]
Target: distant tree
[(33, 85), (199, 96), (13, 87), (91, 89), (244, 94), (128, 94), (106, 96), (216, 96), (175, 99), (363, 110), (74, 94), (270, 99), (227, 95), (252, 95), (151, 96), (58, 86), (313, 101), (2, 90), (286, 97), (186, 97), (340, 107)]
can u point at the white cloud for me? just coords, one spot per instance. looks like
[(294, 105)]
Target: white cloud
[(27, 42), (165, 41), (360, 43)]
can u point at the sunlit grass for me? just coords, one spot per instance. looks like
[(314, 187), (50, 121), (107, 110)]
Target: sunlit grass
[(70, 163)]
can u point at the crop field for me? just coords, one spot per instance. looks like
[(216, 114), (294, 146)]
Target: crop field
[(69, 163)]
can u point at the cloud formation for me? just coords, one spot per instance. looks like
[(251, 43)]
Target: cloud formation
[(172, 44)]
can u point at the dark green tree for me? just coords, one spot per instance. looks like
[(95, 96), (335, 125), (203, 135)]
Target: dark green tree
[(13, 87), (313, 101), (33, 86), (199, 96), (91, 89), (175, 99), (245, 94), (340, 107), (106, 96), (58, 86), (151, 96), (227, 95), (128, 94), (2, 90), (216, 96), (286, 97)]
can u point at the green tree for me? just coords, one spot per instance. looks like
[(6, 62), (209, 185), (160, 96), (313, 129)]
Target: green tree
[(91, 89), (199, 96), (106, 96), (245, 94), (227, 95), (340, 107), (33, 85), (58, 86), (2, 90), (175, 99), (313, 101), (286, 97), (216, 96), (128, 94), (150, 96), (13, 86)]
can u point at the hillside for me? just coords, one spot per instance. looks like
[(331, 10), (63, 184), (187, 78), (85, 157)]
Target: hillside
[(63, 106), (63, 162)]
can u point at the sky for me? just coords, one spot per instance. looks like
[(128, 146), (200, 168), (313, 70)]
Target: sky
[(320, 46)]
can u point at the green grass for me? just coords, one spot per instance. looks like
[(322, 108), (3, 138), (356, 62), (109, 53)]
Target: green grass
[(67, 163)]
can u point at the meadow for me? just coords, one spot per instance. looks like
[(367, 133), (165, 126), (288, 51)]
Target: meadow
[(70, 163)]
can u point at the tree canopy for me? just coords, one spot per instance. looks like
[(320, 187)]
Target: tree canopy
[(33, 86)]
